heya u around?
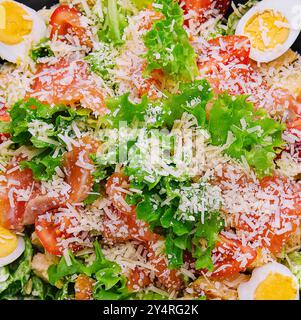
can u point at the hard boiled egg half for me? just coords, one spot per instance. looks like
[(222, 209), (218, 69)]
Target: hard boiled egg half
[(20, 27), (273, 281), (272, 27), (11, 247)]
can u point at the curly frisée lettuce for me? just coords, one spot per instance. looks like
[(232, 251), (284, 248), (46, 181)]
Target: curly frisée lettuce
[(167, 43), (110, 283), (39, 127), (248, 134), (188, 215), (192, 98)]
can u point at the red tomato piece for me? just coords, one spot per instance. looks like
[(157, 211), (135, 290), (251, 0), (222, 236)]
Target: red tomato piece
[(117, 189), (52, 228), (67, 20), (137, 279), (201, 6), (79, 169), (169, 278), (231, 257), (224, 50), (273, 230), (17, 188), (67, 82), (4, 117), (122, 227), (226, 64)]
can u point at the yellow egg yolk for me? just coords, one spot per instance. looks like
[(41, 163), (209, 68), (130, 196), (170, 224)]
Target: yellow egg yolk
[(14, 23), (267, 29), (276, 286), (8, 242)]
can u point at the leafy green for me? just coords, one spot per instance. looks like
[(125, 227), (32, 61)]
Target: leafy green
[(67, 291), (140, 4), (192, 98), (42, 168), (205, 238), (294, 264), (37, 126), (257, 141), (112, 22), (110, 283), (122, 109), (168, 45), (234, 17), (41, 50), (184, 231), (256, 136)]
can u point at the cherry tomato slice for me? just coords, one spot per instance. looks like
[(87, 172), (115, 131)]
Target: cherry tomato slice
[(79, 169), (52, 228), (17, 188), (231, 257), (273, 230), (65, 20), (203, 7)]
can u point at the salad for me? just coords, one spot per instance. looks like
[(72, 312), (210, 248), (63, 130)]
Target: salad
[(150, 150)]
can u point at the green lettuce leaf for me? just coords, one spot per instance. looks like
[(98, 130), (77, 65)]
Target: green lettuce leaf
[(37, 126), (41, 50), (113, 21), (168, 46), (207, 231), (42, 168), (110, 283), (192, 98), (255, 136), (294, 264)]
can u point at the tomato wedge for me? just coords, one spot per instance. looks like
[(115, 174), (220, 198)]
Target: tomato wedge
[(137, 279), (231, 257), (79, 169), (67, 20), (67, 82), (17, 188), (121, 227), (201, 7), (51, 229), (117, 189), (273, 230), (224, 50)]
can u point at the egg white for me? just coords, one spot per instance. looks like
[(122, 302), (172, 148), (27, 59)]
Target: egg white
[(15, 254), (246, 290), (286, 8), (14, 53)]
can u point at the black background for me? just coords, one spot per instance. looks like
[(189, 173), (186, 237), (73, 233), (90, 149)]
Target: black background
[(38, 4)]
